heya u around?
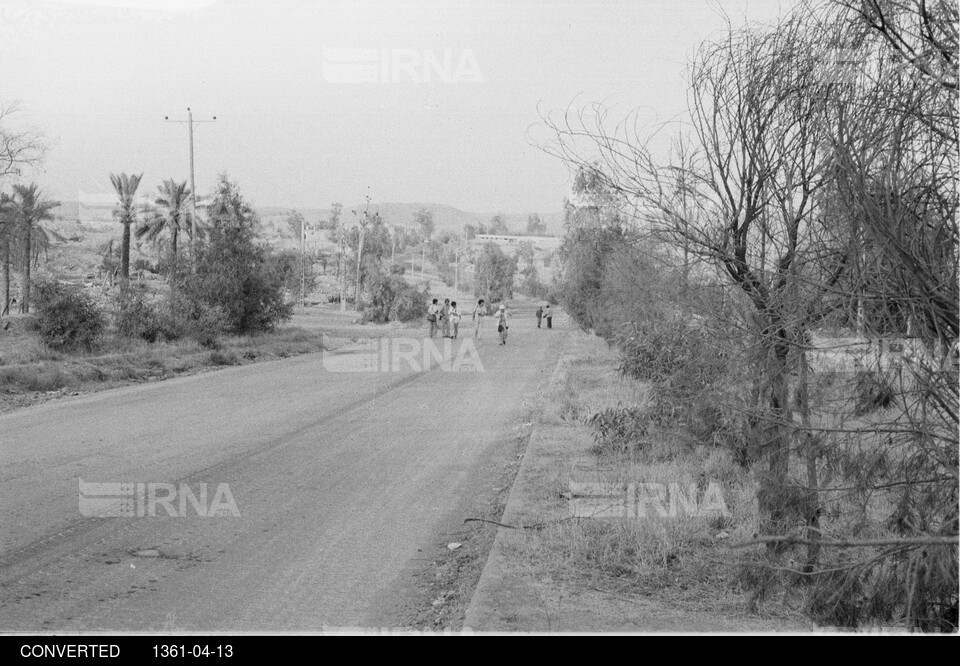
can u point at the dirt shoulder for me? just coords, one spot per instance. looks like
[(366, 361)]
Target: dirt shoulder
[(548, 572)]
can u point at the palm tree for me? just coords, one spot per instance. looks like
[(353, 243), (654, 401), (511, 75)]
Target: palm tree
[(125, 213), (30, 208), (172, 215), (6, 233)]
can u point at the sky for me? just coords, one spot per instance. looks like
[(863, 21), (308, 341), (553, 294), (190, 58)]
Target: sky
[(403, 101)]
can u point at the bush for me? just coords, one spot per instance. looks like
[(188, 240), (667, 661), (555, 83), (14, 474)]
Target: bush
[(137, 319), (145, 265), (393, 299), (235, 282), (618, 429), (223, 358), (658, 351), (410, 304), (67, 319), (188, 317)]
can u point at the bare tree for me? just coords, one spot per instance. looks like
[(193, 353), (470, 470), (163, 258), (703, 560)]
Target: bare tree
[(19, 148), (741, 192), (818, 171), (922, 33)]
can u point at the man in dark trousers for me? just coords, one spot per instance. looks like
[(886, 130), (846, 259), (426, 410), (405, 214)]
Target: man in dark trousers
[(445, 317), (549, 315), (539, 316)]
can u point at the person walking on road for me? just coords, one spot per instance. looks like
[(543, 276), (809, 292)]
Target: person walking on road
[(479, 313), (502, 327), (433, 312), (445, 317), (549, 315), (539, 316), (454, 320)]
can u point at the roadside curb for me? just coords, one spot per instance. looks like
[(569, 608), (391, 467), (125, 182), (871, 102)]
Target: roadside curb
[(495, 582)]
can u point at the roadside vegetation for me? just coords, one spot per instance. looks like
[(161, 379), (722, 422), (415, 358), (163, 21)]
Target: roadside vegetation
[(221, 308), (785, 283), (203, 292), (677, 563)]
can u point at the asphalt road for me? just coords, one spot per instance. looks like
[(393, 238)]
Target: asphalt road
[(339, 478)]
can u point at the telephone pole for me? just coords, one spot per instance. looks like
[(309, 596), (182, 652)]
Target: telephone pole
[(303, 264), (189, 122)]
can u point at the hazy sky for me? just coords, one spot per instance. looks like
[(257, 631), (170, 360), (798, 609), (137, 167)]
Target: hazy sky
[(327, 101)]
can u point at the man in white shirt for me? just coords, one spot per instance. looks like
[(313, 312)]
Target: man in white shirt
[(454, 315), (502, 327), (479, 313)]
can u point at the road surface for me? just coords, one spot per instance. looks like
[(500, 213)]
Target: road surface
[(339, 478)]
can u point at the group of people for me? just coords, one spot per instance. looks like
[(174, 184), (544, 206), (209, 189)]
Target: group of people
[(446, 319), (545, 314)]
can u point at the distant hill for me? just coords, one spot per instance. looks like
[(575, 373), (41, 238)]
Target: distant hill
[(446, 218)]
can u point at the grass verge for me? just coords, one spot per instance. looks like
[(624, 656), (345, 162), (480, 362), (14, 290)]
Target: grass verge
[(651, 571), (32, 373)]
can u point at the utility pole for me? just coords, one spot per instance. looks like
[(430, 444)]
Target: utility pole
[(189, 122), (356, 299), (361, 230), (393, 256), (303, 265), (342, 270), (413, 262)]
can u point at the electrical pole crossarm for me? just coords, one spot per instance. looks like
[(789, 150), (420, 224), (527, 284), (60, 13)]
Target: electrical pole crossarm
[(190, 122)]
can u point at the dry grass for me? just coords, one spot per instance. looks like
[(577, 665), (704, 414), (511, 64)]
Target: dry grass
[(587, 381), (28, 366), (682, 561)]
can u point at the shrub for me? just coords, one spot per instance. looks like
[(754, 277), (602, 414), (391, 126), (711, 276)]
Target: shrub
[(188, 317), (223, 358), (410, 304), (393, 299), (137, 319), (145, 265), (618, 429), (657, 351), (67, 318)]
